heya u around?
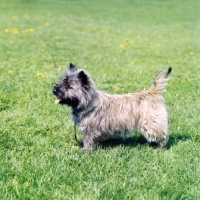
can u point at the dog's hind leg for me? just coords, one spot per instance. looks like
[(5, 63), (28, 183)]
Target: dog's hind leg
[(153, 135)]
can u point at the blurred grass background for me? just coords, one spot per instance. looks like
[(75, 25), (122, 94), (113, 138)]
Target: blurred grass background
[(123, 45)]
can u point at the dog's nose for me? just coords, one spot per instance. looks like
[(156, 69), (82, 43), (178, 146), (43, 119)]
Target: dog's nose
[(55, 90)]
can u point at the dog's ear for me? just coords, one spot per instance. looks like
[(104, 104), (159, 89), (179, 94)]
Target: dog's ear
[(83, 78), (72, 67)]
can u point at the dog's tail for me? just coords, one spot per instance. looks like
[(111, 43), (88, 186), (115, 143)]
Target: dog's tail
[(160, 81)]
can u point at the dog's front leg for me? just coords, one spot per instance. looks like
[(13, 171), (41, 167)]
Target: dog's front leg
[(88, 142)]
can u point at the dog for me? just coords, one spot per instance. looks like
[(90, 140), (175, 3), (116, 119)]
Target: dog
[(101, 116)]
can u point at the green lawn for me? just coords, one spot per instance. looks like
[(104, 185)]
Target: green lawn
[(123, 45)]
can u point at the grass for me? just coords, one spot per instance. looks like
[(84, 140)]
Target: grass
[(123, 44)]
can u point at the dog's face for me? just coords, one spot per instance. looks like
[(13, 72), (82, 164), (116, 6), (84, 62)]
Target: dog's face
[(72, 88)]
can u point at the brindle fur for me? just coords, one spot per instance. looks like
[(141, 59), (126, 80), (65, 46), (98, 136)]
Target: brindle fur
[(101, 116)]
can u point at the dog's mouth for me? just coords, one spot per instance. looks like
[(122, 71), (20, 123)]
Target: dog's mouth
[(57, 100), (70, 102)]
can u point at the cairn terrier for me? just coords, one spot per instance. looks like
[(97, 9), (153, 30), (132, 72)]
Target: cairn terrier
[(101, 116)]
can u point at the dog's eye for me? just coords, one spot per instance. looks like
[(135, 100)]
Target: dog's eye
[(67, 86)]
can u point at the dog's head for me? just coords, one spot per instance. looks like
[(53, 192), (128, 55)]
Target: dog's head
[(75, 89)]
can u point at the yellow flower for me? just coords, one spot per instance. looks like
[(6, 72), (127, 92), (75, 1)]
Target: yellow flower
[(59, 66), (191, 53), (40, 74), (10, 71), (15, 31), (8, 116), (6, 30), (76, 147), (132, 63), (122, 46), (31, 30)]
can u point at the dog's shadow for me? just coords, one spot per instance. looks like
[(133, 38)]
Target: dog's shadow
[(139, 140), (175, 138)]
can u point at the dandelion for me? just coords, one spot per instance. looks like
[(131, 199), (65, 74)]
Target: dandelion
[(126, 44), (191, 53), (40, 74), (131, 42), (8, 116), (132, 63), (10, 71), (15, 31), (31, 30), (59, 66), (122, 46), (6, 30)]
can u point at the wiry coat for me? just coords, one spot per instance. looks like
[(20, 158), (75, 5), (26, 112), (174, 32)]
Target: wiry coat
[(101, 116)]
